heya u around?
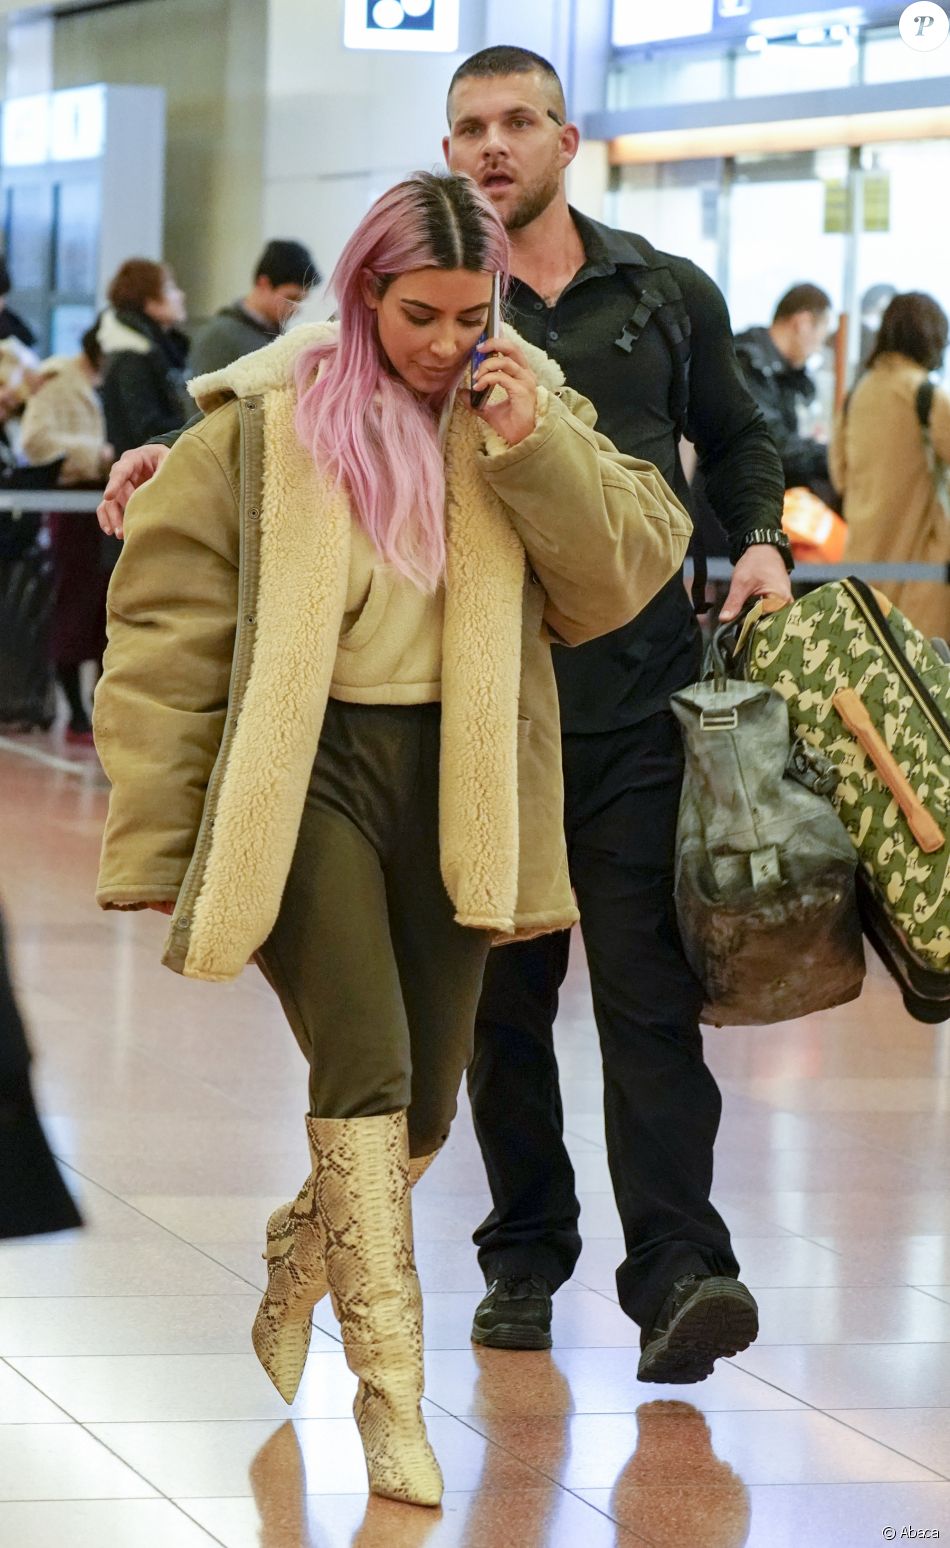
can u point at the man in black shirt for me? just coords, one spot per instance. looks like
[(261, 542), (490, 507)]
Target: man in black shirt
[(646, 337)]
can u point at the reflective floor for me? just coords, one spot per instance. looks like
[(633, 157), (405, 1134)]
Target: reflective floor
[(133, 1413)]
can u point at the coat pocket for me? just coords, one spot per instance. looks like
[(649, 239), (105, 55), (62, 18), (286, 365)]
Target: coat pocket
[(372, 612)]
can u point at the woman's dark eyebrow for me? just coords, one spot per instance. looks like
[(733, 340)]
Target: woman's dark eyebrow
[(480, 306)]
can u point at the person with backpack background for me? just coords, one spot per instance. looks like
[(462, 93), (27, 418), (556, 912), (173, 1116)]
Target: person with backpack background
[(647, 336), (889, 457), (774, 361)]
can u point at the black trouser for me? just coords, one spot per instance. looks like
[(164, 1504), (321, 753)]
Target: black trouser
[(662, 1105)]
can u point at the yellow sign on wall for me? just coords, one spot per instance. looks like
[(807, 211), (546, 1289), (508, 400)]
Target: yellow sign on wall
[(837, 205), (877, 201)]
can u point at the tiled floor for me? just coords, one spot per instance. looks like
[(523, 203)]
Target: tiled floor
[(134, 1415)]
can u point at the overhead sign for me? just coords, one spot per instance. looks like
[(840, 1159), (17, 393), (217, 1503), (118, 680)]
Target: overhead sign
[(412, 26), (78, 124), (26, 126), (637, 22), (54, 126)]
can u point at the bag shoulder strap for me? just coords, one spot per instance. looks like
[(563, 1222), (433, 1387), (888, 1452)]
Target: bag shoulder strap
[(659, 297), (924, 402)]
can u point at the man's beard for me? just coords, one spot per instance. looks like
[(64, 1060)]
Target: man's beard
[(534, 202)]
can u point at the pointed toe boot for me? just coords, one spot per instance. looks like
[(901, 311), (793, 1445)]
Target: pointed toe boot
[(363, 1199), (296, 1281)]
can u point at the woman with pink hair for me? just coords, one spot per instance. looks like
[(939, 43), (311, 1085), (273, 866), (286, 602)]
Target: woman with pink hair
[(329, 717)]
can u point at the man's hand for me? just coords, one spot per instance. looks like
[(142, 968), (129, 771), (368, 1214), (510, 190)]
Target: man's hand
[(132, 470), (759, 572)]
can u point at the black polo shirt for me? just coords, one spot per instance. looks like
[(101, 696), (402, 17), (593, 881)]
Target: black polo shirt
[(624, 676)]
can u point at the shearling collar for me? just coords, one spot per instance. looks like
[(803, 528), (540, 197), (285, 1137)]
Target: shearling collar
[(270, 368)]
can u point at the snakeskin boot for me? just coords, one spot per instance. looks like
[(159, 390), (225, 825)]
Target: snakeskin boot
[(363, 1205), (296, 1280)]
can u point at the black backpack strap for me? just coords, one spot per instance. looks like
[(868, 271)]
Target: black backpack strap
[(925, 402), (658, 297)]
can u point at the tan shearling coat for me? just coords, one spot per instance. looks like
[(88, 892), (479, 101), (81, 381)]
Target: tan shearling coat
[(878, 463), (64, 418), (224, 616)]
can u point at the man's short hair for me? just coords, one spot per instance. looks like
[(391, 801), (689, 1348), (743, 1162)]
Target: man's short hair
[(287, 263), (802, 298), (507, 60)]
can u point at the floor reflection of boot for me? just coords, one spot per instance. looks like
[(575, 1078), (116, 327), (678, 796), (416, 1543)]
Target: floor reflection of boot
[(675, 1490), (513, 1387), (279, 1485), (389, 1524)]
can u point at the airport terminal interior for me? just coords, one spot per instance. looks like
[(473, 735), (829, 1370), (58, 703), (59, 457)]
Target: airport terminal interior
[(178, 182)]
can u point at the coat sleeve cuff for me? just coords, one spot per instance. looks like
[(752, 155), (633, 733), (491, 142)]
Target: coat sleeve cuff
[(497, 449)]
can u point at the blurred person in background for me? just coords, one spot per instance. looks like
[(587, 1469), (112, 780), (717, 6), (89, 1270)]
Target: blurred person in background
[(64, 418), (283, 279), (775, 362), (18, 362), (12, 326), (144, 354), (889, 454), (33, 1196), (874, 303)]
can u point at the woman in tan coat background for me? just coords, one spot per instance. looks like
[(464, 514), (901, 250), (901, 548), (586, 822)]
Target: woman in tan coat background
[(64, 418), (330, 722), (879, 461)]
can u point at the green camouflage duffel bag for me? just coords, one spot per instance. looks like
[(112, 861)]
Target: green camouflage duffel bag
[(872, 694)]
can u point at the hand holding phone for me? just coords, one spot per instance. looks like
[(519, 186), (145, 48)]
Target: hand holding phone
[(491, 332)]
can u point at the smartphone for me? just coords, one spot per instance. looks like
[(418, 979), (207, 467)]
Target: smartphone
[(492, 332)]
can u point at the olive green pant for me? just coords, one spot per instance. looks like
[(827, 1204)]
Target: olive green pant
[(378, 982)]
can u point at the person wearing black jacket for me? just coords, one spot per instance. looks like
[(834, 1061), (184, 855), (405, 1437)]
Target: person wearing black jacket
[(646, 336), (775, 363), (143, 388), (33, 1196)]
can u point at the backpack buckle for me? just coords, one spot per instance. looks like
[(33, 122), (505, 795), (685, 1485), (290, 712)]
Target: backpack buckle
[(719, 720)]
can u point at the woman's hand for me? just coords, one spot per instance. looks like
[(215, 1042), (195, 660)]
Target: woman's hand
[(515, 417)]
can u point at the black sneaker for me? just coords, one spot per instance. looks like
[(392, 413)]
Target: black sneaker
[(704, 1318), (515, 1314)]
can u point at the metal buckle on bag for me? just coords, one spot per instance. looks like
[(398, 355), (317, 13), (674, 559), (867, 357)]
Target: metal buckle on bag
[(719, 720)]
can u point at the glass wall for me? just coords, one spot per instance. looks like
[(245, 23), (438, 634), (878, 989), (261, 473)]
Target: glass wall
[(850, 221)]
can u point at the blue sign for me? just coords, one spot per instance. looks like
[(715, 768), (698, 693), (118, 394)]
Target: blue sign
[(421, 26), (388, 15)]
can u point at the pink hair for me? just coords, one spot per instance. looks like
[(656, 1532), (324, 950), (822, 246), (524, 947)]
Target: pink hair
[(359, 420)]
